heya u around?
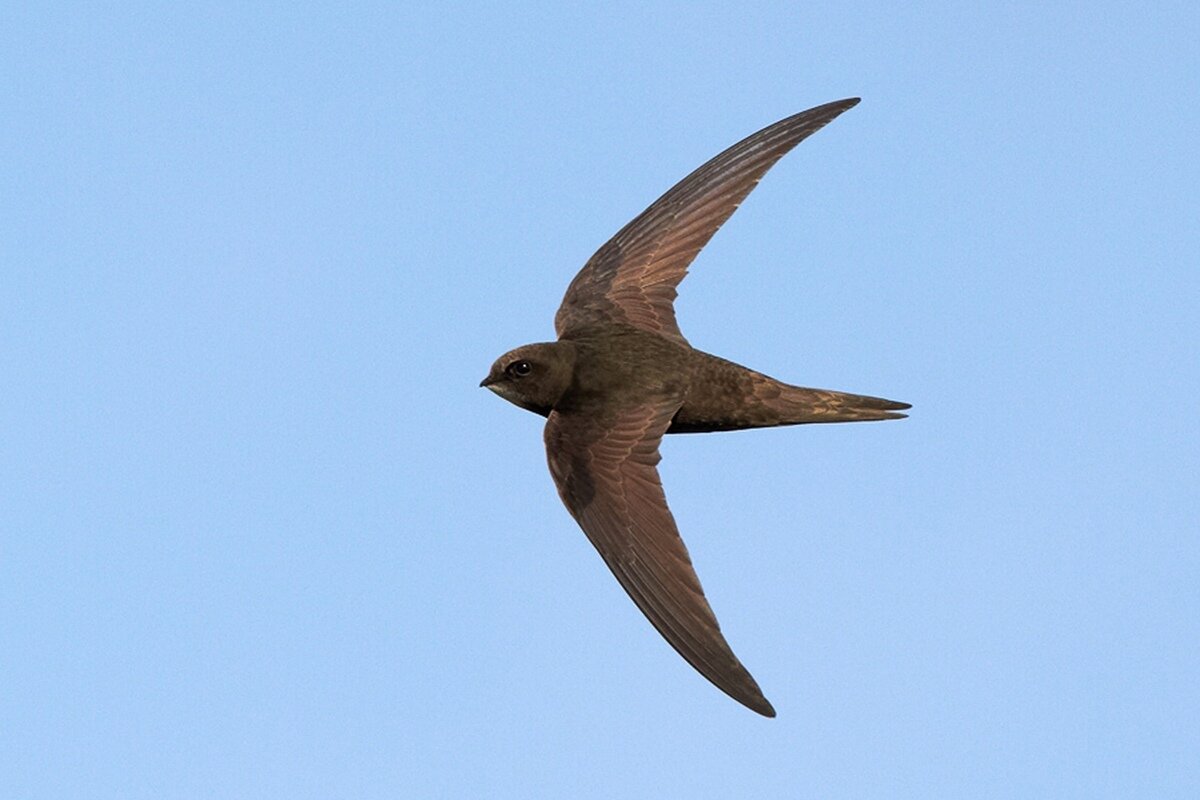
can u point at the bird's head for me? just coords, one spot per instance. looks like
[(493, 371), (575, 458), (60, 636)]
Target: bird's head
[(533, 376)]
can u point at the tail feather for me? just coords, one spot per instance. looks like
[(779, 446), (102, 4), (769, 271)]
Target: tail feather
[(796, 405), (727, 396)]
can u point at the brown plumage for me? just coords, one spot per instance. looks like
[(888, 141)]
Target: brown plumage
[(621, 375)]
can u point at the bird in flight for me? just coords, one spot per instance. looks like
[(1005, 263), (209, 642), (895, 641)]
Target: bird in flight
[(621, 375)]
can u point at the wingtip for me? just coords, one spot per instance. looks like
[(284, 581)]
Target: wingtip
[(751, 697), (765, 708), (843, 105)]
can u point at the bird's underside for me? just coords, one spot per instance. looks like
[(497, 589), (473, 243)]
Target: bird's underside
[(621, 375)]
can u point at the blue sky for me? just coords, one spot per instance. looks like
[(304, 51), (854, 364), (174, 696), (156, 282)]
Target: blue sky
[(264, 536)]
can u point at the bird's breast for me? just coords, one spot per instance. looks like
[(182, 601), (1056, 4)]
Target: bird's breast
[(627, 368)]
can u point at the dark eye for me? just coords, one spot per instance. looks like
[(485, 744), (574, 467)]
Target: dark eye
[(520, 368)]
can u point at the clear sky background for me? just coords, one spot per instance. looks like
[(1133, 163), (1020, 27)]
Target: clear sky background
[(264, 536)]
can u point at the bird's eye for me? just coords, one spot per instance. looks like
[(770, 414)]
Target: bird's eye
[(520, 368)]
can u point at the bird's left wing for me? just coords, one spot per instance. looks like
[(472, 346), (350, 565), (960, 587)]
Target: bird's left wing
[(605, 470), (632, 278)]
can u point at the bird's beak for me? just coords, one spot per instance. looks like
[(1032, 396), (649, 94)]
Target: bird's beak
[(488, 381)]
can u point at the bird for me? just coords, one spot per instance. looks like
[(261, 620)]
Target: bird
[(621, 375)]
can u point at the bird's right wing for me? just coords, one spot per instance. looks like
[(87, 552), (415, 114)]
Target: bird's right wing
[(605, 473)]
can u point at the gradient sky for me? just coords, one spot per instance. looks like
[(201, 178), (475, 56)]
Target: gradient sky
[(264, 536)]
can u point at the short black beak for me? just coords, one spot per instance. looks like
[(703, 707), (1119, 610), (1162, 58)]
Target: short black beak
[(488, 381)]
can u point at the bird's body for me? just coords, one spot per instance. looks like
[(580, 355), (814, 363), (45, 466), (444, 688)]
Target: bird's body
[(621, 375), (618, 366)]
